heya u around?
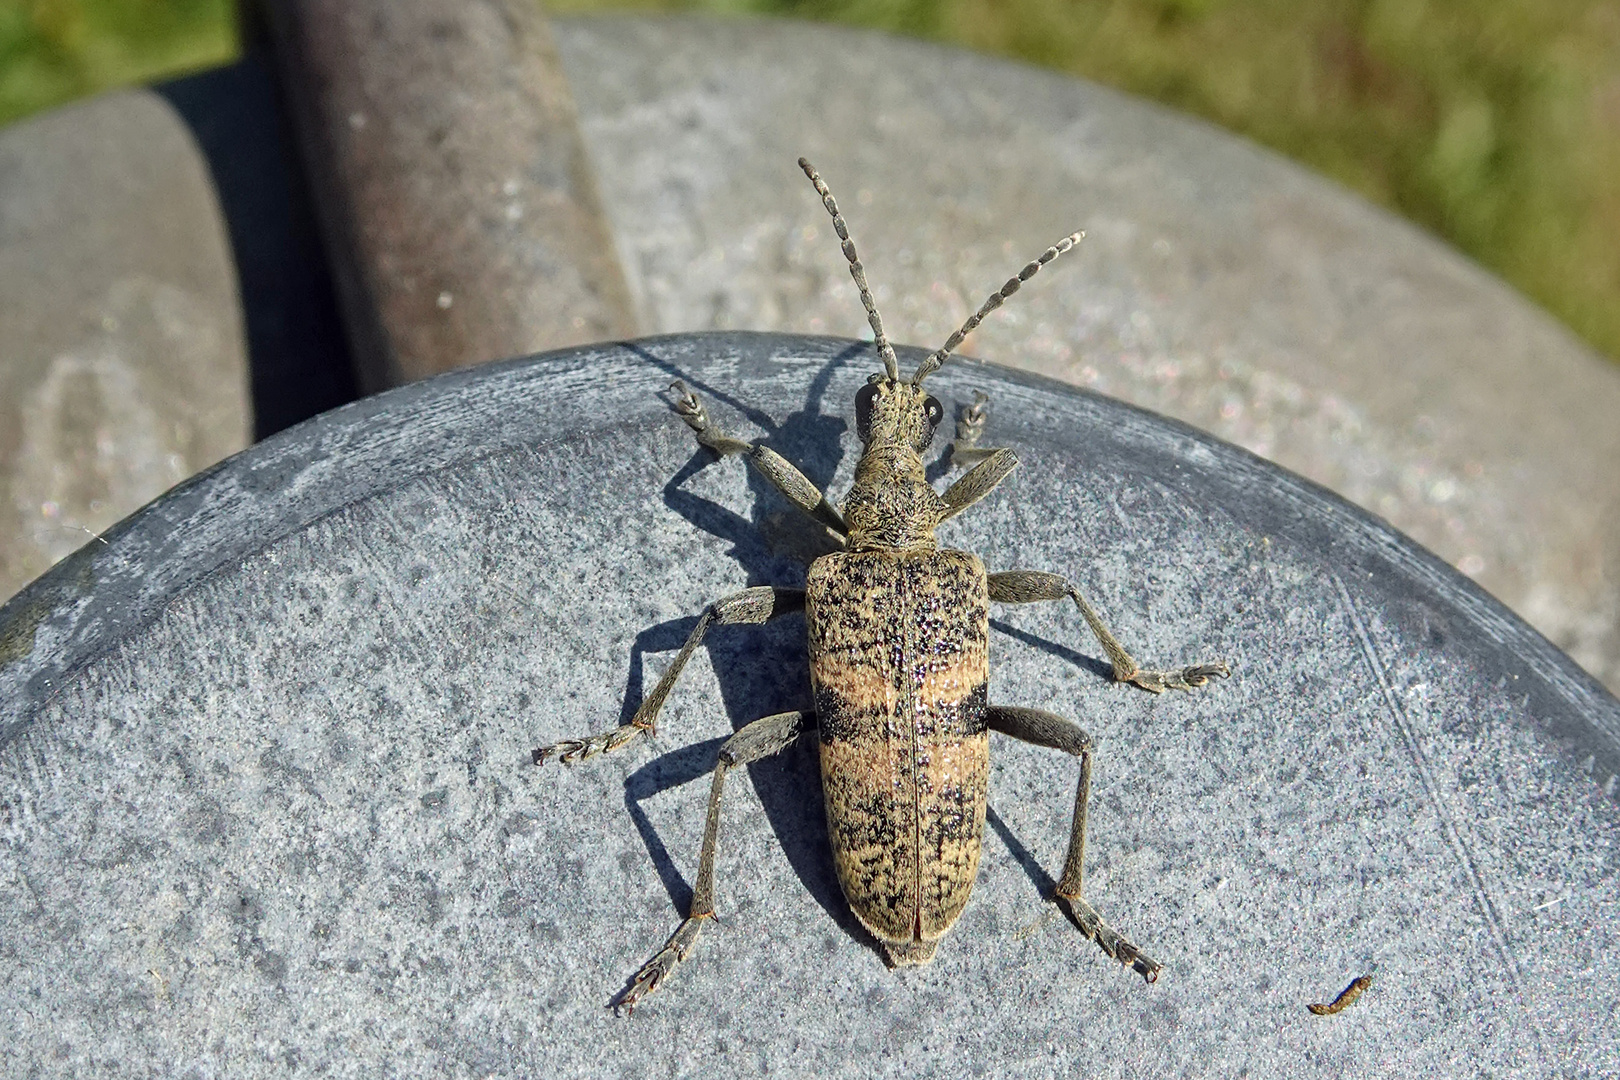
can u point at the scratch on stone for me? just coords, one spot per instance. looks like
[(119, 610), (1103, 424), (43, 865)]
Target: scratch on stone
[(1448, 828)]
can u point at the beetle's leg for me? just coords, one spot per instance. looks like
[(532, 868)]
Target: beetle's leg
[(965, 448), (979, 482), (1048, 729), (1030, 586), (990, 465), (755, 605), (772, 466), (760, 739)]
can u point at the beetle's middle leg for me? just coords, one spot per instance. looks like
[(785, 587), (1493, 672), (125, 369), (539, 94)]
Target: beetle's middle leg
[(1031, 586), (760, 739), (755, 605), (781, 472), (1050, 730)]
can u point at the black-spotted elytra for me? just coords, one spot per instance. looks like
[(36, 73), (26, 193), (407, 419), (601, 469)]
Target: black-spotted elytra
[(898, 636)]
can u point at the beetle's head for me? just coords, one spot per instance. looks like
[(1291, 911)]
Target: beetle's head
[(891, 412)]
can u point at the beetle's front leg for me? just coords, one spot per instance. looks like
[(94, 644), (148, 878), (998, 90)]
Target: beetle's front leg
[(965, 448), (1032, 586), (781, 472), (760, 739), (1042, 728), (990, 465), (755, 605)]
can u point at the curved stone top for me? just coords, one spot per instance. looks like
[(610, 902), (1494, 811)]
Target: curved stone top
[(267, 803)]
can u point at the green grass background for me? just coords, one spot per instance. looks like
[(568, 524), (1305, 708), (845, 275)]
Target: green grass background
[(1496, 123)]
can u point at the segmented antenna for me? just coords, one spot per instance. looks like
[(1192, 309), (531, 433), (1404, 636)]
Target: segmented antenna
[(856, 271), (930, 365)]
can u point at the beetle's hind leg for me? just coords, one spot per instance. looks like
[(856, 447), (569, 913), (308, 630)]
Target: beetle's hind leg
[(1032, 586), (760, 739), (1042, 728)]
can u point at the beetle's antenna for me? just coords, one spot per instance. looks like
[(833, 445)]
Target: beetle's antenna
[(856, 271), (931, 365)]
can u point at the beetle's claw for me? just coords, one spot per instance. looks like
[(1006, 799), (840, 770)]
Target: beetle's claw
[(655, 971), (649, 978), (688, 407), (1091, 924), (562, 751), (1199, 674)]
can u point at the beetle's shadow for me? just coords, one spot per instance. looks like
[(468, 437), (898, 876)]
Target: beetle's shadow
[(1045, 883), (1097, 666), (791, 781), (779, 539), (761, 670)]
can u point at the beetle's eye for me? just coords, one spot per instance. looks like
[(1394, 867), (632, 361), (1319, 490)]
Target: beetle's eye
[(936, 411), (863, 410)]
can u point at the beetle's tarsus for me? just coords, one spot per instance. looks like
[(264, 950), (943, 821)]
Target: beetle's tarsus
[(688, 406), (1180, 679), (655, 971), (965, 449), (1091, 924), (569, 751)]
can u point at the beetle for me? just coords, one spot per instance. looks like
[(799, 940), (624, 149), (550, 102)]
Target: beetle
[(898, 632)]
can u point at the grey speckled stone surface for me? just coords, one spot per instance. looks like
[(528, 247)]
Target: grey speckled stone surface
[(266, 807)]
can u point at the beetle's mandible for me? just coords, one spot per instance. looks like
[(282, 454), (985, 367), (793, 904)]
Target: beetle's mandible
[(898, 636)]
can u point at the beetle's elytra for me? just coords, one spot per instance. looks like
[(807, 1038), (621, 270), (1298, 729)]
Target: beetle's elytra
[(899, 664), (898, 646)]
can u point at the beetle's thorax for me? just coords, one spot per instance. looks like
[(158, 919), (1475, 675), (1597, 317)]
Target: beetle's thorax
[(891, 504)]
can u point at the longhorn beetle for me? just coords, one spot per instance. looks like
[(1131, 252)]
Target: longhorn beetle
[(898, 635)]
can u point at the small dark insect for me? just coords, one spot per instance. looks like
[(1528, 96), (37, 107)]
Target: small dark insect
[(1345, 999), (898, 636)]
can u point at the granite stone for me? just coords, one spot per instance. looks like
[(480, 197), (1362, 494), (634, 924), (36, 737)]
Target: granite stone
[(267, 808)]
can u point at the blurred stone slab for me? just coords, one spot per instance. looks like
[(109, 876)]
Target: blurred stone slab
[(123, 369), (1217, 284), (458, 207), (266, 806)]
